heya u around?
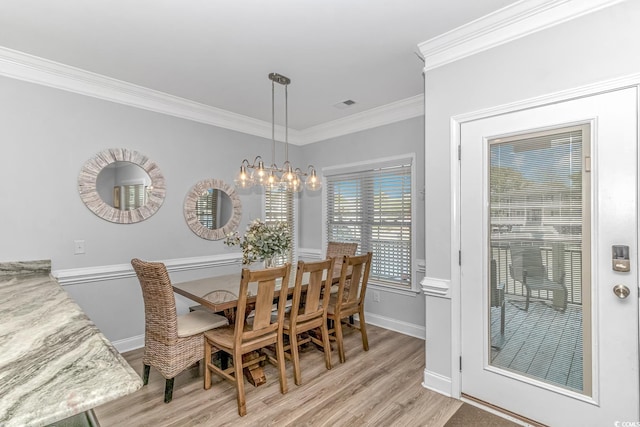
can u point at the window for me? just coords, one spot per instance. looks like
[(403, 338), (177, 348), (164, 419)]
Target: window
[(207, 209), (279, 206), (135, 196), (371, 204)]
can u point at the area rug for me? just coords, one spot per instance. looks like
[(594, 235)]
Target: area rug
[(468, 415)]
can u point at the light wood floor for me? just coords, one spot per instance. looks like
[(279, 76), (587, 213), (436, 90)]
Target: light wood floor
[(381, 387)]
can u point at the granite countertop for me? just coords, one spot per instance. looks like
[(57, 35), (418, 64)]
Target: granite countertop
[(54, 362)]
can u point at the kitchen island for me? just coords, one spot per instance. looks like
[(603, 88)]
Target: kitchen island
[(54, 362)]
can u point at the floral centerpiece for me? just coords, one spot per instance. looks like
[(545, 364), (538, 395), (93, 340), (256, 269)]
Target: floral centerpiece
[(262, 241)]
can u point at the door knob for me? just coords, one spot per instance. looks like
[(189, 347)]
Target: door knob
[(621, 291)]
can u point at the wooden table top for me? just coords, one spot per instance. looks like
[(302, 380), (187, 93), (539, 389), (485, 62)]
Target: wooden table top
[(195, 290)]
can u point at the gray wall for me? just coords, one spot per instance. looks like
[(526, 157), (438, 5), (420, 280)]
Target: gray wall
[(48, 134), (590, 49), (398, 138)]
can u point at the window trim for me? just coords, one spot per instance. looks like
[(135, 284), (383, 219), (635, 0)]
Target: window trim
[(365, 166)]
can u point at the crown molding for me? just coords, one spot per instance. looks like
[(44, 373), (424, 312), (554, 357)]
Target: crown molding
[(507, 24), (33, 69), (394, 112)]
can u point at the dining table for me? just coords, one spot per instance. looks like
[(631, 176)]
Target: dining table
[(197, 290)]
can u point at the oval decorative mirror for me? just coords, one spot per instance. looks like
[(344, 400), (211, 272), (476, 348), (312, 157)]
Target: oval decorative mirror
[(121, 186), (212, 209)]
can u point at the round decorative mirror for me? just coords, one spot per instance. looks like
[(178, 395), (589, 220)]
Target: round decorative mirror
[(212, 209), (121, 186)]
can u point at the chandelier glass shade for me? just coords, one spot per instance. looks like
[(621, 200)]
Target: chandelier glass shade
[(287, 177)]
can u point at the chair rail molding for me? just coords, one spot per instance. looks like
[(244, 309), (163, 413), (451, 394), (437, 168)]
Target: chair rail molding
[(502, 26), (22, 66), (77, 276), (436, 287)]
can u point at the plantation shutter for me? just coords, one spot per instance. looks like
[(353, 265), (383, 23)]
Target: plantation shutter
[(373, 208), (207, 209), (134, 196), (279, 207)]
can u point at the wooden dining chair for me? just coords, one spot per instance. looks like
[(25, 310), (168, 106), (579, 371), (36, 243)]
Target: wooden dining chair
[(337, 250), (309, 311), (349, 299), (172, 343), (248, 335)]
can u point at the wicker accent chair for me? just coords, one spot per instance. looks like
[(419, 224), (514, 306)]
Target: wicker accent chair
[(248, 335), (172, 343), (349, 299), (338, 250), (309, 312)]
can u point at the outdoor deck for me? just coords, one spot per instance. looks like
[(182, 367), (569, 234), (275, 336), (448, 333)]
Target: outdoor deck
[(542, 343)]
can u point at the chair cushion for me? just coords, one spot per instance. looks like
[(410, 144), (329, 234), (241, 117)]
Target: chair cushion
[(198, 321)]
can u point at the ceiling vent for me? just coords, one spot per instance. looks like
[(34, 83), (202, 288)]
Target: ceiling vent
[(345, 104)]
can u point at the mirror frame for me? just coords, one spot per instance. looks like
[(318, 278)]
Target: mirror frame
[(89, 193), (192, 218)]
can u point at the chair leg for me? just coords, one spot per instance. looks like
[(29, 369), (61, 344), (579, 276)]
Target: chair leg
[(242, 403), (363, 330), (145, 374), (338, 327), (295, 357), (326, 345), (502, 310), (281, 363), (526, 306), (168, 390), (207, 362)]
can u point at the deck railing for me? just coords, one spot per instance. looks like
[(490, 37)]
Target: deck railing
[(572, 271)]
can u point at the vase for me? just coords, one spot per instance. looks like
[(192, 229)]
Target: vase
[(269, 262)]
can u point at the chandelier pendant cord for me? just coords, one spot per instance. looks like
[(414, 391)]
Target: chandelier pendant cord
[(273, 123), (287, 178), (286, 122)]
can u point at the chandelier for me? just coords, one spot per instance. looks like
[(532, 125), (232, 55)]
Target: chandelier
[(273, 177)]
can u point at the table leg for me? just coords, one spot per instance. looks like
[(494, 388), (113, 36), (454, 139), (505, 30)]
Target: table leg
[(254, 373)]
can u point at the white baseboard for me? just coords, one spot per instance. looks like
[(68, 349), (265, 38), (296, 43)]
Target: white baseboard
[(436, 382), (133, 343), (128, 344), (413, 330)]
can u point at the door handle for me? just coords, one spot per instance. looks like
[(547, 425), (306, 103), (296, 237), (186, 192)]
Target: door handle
[(621, 291)]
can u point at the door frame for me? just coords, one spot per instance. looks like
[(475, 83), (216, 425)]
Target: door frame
[(456, 122)]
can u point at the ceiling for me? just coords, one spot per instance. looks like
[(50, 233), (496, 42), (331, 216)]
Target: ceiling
[(220, 52)]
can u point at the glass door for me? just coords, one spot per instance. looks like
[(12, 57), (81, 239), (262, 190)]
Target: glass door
[(539, 256)]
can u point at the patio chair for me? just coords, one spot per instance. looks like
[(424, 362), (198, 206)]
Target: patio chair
[(527, 268), (497, 294)]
